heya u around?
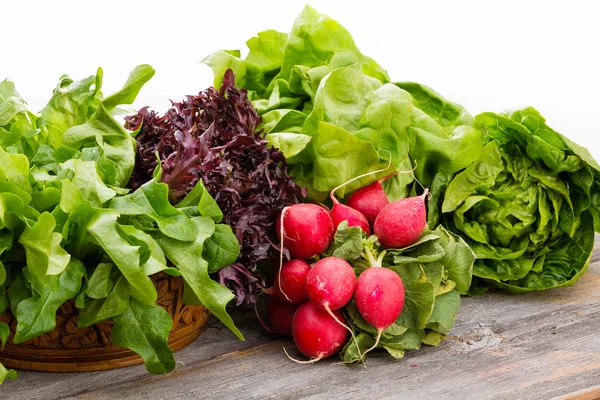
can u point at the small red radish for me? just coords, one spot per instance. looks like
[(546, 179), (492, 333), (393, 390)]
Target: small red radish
[(330, 283), (369, 200), (317, 334), (379, 297), (340, 213), (280, 315), (401, 222), (307, 230), (290, 282)]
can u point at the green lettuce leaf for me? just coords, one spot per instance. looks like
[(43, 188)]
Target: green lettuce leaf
[(110, 306), (70, 105), (152, 201), (145, 330), (7, 374), (188, 257), (37, 315)]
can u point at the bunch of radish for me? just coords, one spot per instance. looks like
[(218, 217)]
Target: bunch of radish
[(306, 300)]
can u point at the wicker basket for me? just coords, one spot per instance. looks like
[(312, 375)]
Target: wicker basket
[(70, 349)]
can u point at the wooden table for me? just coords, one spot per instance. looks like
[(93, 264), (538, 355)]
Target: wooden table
[(540, 345)]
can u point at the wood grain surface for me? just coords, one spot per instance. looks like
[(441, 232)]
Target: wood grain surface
[(541, 345)]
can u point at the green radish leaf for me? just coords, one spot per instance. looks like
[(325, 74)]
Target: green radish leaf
[(444, 312), (145, 330), (396, 353), (419, 297), (351, 354), (433, 338), (347, 242), (409, 340)]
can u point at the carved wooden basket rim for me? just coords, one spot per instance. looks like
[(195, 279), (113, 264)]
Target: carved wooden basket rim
[(70, 349)]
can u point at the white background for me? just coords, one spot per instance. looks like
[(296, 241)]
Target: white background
[(487, 56)]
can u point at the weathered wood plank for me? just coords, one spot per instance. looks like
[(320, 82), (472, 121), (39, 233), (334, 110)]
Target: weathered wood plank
[(538, 346)]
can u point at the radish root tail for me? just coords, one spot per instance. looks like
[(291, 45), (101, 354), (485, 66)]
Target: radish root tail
[(311, 361), (282, 233), (267, 328), (347, 328), (379, 332)]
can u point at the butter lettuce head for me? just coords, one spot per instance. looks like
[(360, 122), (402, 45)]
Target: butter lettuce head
[(526, 205)]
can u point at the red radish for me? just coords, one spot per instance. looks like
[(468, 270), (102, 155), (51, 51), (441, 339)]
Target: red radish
[(316, 334), (379, 296), (280, 315), (307, 230), (401, 222), (290, 282), (340, 213), (330, 283), (369, 200)]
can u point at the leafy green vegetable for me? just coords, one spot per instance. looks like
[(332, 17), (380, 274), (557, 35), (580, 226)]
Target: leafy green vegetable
[(37, 314), (335, 115), (7, 374), (69, 229), (151, 201), (221, 249), (188, 257), (525, 205), (145, 330)]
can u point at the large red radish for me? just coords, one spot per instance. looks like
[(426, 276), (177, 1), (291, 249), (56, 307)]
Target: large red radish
[(330, 283), (290, 282), (401, 222), (369, 200), (316, 333), (307, 230), (379, 297), (280, 315)]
